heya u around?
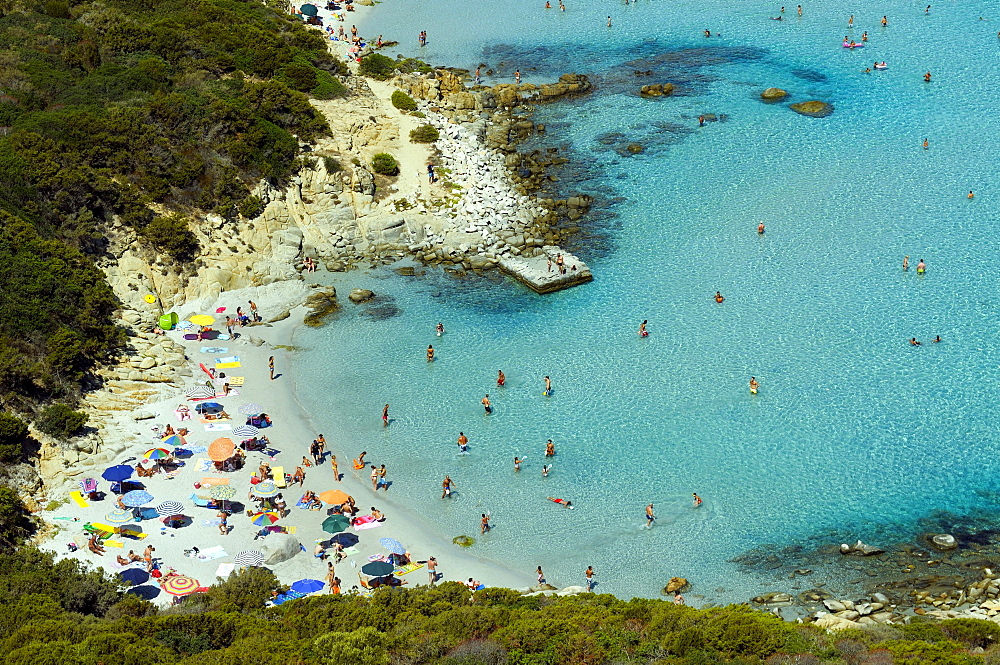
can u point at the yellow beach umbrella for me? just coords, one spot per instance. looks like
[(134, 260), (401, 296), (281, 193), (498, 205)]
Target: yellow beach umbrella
[(202, 320)]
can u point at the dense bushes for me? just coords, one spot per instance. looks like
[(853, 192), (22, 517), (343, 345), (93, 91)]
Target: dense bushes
[(425, 134), (385, 164), (171, 234), (377, 67), (12, 433), (403, 101), (60, 421)]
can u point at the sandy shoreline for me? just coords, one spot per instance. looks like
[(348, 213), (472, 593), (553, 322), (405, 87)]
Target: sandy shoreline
[(291, 435)]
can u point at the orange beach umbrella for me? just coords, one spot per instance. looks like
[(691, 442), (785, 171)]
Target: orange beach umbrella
[(221, 449), (334, 496)]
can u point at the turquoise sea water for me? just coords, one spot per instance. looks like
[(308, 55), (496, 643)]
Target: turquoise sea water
[(853, 433)]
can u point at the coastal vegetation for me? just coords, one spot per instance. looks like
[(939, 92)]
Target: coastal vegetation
[(425, 134), (57, 612), (385, 164), (119, 121), (403, 101)]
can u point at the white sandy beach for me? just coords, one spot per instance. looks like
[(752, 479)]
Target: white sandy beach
[(290, 435)]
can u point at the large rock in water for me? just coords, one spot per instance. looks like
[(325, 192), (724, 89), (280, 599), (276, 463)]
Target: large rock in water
[(944, 542), (675, 584), (360, 295), (813, 109), (773, 94)]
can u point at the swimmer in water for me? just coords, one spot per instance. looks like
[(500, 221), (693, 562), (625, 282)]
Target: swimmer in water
[(885, 21), (914, 342), (548, 386), (971, 195), (545, 470), (517, 463), (864, 36), (760, 228), (927, 77), (440, 329), (697, 500), (650, 516), (921, 267), (926, 144), (753, 383), (936, 339), (463, 443), (708, 33), (718, 297), (486, 404), (501, 379), (642, 329), (550, 449), (906, 262)]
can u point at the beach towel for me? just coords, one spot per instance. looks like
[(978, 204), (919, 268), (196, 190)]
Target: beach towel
[(227, 365), (302, 504), (214, 349), (348, 551), (232, 393), (377, 557), (235, 380), (78, 499), (213, 522), (219, 427), (210, 481), (212, 553), (408, 568), (204, 464), (369, 525), (214, 420), (199, 501), (196, 449), (227, 359), (278, 474), (114, 543), (225, 569)]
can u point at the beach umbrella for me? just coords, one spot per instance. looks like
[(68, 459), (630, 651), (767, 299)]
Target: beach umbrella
[(156, 453), (249, 558), (246, 431), (221, 449), (208, 407), (265, 489), (309, 10), (336, 524), (336, 497), (168, 508), (179, 585), (200, 392), (250, 409), (134, 576), (377, 568), (220, 310), (202, 320), (222, 492), (173, 440), (266, 518), (118, 516), (136, 498), (392, 545), (117, 474), (307, 586)]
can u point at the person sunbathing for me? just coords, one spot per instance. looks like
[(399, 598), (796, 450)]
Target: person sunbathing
[(122, 561), (133, 557), (377, 515), (94, 545), (169, 430)]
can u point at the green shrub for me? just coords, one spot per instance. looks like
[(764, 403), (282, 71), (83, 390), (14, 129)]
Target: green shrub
[(425, 134), (251, 207), (385, 164), (377, 66), (403, 101), (12, 433), (328, 86), (363, 646), (937, 653), (170, 234), (57, 9), (332, 164), (60, 421), (737, 630), (972, 632)]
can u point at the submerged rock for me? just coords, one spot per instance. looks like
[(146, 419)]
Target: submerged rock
[(813, 109), (944, 542), (860, 549), (321, 304), (773, 94), (463, 541), (656, 90), (360, 295)]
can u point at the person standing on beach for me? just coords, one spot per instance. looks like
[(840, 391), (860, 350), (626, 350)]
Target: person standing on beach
[(330, 575), (589, 574), (650, 516), (223, 525), (229, 326), (432, 574), (446, 486), (463, 443), (383, 482), (253, 311), (321, 442), (270, 366), (484, 524), (540, 575), (333, 465), (486, 404), (385, 416)]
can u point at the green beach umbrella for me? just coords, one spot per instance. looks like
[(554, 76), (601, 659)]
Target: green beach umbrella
[(309, 10), (336, 524), (377, 568)]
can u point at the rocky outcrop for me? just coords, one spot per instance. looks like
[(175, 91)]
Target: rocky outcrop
[(942, 542), (813, 109), (360, 295), (657, 90), (773, 95), (860, 549)]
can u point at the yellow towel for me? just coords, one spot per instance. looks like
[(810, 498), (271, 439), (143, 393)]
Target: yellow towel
[(227, 366), (278, 474), (79, 500), (114, 543), (234, 381), (291, 529)]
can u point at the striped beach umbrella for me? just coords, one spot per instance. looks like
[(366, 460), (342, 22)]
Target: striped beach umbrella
[(222, 492), (266, 518), (179, 585), (246, 431), (249, 558), (118, 516), (265, 489), (174, 440), (251, 409), (136, 498), (168, 508), (200, 392), (156, 453)]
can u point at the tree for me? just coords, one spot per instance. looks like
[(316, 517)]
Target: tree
[(363, 646), (12, 433), (385, 164)]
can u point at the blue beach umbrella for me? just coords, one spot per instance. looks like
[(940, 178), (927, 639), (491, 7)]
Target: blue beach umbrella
[(307, 586), (265, 489), (134, 576), (116, 474), (392, 545), (136, 498), (208, 407), (118, 516)]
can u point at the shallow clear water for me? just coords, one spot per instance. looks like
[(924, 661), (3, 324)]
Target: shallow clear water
[(853, 432)]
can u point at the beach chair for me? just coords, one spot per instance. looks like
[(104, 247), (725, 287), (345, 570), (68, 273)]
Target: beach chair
[(89, 487), (199, 501), (278, 475), (101, 530), (78, 499)]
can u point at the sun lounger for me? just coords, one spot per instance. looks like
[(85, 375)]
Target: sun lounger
[(78, 499), (198, 501), (278, 475), (93, 529)]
